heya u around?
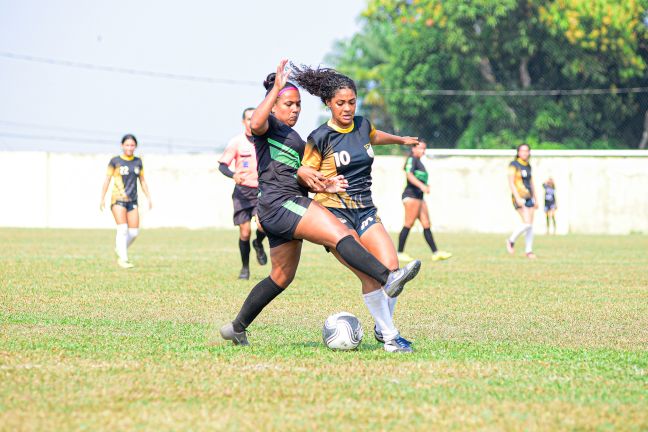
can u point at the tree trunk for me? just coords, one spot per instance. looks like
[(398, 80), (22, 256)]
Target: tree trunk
[(644, 136), (486, 70), (525, 78)]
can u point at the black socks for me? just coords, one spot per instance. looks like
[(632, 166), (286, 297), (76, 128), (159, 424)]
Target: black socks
[(260, 296), (402, 238), (260, 236), (360, 259), (244, 247), (429, 239)]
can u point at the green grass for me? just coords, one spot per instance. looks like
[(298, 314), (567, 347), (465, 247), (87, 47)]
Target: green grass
[(501, 342)]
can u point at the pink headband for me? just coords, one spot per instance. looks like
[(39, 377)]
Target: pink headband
[(285, 89)]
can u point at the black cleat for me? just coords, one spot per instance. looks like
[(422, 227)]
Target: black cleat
[(398, 278), (228, 333), (245, 273), (262, 258)]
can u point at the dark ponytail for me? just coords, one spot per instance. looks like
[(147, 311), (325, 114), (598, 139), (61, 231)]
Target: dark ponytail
[(322, 82)]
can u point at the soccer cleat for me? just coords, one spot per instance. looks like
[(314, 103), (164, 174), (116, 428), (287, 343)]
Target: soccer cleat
[(398, 278), (441, 255), (228, 333), (379, 337), (262, 258), (399, 344), (124, 264), (510, 246), (402, 256), (245, 273), (531, 255)]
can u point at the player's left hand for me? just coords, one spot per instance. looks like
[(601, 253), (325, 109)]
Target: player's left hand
[(150, 204), (410, 141), (535, 204)]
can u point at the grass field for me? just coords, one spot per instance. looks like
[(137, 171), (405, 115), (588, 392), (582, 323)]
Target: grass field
[(501, 342)]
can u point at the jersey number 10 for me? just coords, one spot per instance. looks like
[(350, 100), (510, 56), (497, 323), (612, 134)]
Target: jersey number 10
[(342, 158)]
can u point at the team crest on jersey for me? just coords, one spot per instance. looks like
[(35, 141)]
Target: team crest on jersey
[(136, 170), (370, 151)]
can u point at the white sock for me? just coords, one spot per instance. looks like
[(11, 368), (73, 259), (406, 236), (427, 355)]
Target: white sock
[(391, 302), (528, 239), (376, 302), (121, 241), (132, 235), (522, 228)]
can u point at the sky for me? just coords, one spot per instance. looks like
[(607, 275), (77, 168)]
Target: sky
[(215, 55)]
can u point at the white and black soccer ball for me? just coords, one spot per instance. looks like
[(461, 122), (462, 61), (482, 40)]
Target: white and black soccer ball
[(342, 331)]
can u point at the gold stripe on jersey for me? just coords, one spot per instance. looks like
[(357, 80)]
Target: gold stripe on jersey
[(518, 181), (339, 129), (119, 190)]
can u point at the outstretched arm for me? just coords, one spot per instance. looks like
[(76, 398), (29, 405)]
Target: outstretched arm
[(259, 121), (383, 138)]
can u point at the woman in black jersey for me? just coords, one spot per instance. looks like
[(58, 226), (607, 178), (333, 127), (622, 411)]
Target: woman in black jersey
[(124, 171), (415, 206), (343, 145), (288, 215)]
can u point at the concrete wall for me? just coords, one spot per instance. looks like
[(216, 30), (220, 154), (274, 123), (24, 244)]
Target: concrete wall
[(597, 192)]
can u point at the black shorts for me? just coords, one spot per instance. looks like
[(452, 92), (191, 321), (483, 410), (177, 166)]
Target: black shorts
[(245, 202), (409, 193), (359, 220), (549, 205), (129, 205), (280, 223), (529, 202)]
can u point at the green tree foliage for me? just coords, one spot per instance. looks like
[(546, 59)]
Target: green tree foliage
[(409, 51)]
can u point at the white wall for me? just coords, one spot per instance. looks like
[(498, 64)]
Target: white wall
[(597, 192)]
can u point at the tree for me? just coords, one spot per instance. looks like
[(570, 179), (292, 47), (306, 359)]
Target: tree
[(409, 51)]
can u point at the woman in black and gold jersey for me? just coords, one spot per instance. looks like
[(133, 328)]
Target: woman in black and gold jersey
[(415, 206), (343, 145), (523, 197), (286, 213), (124, 170)]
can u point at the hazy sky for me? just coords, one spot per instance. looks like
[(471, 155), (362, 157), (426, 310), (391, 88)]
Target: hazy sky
[(46, 106)]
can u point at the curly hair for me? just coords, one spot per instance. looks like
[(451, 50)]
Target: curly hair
[(321, 82)]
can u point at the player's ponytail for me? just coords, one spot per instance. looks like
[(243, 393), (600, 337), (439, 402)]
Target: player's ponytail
[(321, 82)]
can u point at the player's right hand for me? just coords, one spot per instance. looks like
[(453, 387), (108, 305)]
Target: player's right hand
[(282, 74), (102, 206), (520, 201)]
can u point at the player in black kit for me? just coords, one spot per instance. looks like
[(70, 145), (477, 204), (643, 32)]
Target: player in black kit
[(344, 145), (124, 170), (415, 206), (287, 214)]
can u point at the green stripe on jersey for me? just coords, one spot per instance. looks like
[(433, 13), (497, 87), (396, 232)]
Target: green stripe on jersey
[(295, 208), (284, 154), (408, 164), (421, 175)]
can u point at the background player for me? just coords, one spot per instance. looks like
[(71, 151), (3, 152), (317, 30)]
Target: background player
[(550, 206), (124, 170), (343, 145), (524, 199), (241, 150), (415, 206)]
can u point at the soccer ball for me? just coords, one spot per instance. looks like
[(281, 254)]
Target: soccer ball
[(342, 331)]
